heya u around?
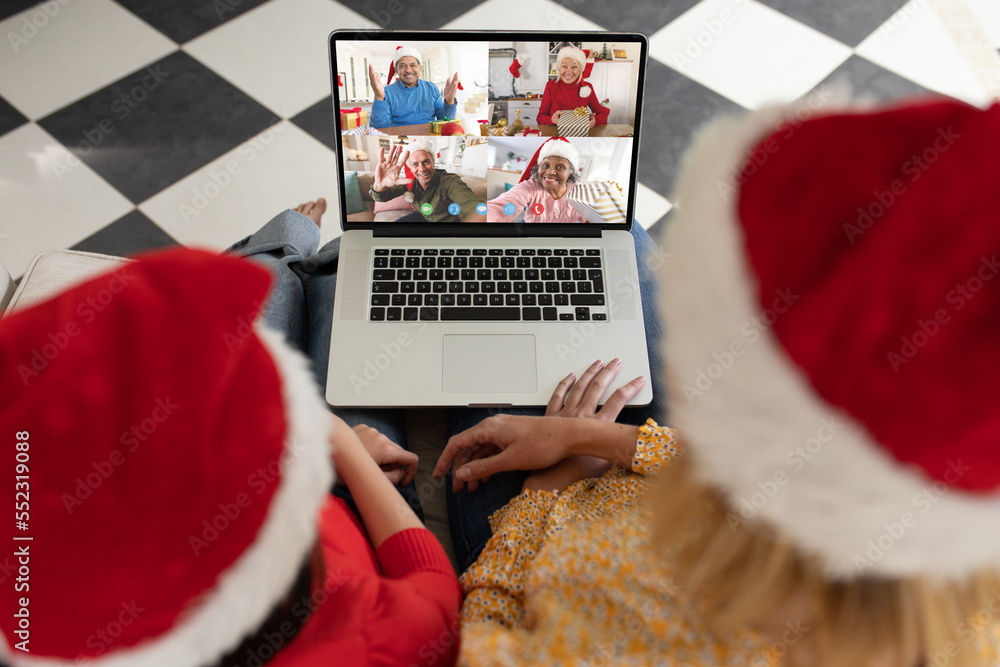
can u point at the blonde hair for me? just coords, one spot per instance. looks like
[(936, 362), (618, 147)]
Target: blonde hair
[(741, 571)]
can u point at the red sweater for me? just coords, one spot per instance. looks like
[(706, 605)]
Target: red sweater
[(395, 606), (566, 97)]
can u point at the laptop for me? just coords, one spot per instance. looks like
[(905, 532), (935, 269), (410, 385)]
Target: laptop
[(487, 187)]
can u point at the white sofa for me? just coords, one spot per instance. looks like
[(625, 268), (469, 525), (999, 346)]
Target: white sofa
[(50, 273)]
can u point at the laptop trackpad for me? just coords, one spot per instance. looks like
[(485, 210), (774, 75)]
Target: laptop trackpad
[(489, 363)]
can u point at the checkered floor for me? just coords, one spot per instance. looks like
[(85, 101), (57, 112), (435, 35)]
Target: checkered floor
[(132, 124)]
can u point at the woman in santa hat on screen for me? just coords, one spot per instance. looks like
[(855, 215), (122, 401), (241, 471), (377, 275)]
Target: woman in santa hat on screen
[(569, 90), (541, 192)]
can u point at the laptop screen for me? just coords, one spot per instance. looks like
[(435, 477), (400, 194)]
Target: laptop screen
[(491, 128)]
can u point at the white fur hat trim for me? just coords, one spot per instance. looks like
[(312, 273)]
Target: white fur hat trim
[(425, 146), (405, 51), (574, 54), (560, 148), (756, 428)]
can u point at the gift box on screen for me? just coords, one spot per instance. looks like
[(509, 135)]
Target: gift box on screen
[(352, 118), (499, 130), (436, 125), (600, 201), (575, 123)]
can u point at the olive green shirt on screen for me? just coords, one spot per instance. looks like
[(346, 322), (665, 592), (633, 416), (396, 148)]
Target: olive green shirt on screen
[(444, 188)]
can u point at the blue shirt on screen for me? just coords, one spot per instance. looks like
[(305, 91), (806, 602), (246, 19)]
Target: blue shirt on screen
[(410, 106)]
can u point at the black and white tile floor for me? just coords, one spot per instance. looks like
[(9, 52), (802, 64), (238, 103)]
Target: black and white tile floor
[(133, 124)]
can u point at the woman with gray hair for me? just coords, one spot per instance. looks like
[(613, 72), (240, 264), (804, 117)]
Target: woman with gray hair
[(543, 187)]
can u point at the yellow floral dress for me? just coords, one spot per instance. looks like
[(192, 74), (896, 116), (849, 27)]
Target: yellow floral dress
[(569, 578)]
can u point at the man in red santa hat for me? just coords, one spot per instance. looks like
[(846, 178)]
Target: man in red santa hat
[(410, 100)]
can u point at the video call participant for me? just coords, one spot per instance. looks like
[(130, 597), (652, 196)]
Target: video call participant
[(426, 185), (543, 187), (569, 91), (410, 100)]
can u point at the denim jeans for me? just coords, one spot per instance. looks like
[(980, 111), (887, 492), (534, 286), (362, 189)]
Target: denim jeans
[(301, 306)]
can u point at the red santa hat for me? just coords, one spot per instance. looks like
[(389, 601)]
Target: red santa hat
[(177, 455), (579, 56), (832, 299), (401, 52), (558, 147)]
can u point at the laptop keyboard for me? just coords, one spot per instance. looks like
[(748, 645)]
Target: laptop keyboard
[(487, 284)]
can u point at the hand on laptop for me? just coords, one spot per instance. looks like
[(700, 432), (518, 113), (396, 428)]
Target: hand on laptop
[(579, 399), (387, 169), (572, 426)]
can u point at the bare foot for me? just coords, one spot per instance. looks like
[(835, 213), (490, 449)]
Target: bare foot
[(313, 210)]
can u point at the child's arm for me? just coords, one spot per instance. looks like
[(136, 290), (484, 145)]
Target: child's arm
[(408, 612), (383, 510)]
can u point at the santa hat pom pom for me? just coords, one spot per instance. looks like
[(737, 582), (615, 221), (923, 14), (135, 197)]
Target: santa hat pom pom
[(584, 91)]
